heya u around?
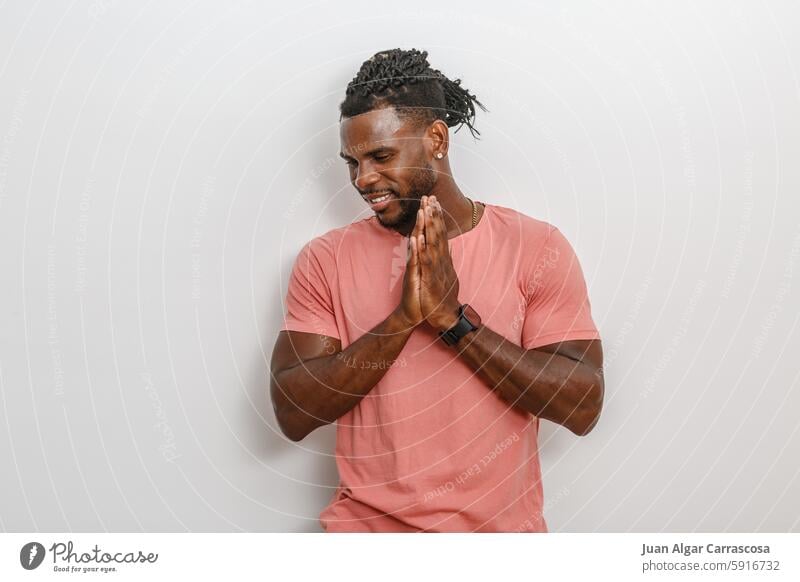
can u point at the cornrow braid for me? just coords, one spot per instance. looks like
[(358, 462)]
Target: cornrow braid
[(404, 79)]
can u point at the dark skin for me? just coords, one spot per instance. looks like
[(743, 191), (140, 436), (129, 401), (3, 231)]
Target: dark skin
[(311, 383)]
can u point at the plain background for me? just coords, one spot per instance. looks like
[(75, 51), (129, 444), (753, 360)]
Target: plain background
[(161, 164)]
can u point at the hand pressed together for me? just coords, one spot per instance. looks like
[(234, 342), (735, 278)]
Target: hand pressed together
[(430, 285)]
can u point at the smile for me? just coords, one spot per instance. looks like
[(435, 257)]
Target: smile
[(380, 198), (379, 201)]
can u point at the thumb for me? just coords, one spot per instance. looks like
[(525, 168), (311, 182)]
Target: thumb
[(413, 255)]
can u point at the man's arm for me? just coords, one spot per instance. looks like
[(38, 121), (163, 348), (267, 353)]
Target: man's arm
[(561, 382), (313, 381)]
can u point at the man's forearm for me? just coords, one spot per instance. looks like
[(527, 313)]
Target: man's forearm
[(547, 385), (318, 391)]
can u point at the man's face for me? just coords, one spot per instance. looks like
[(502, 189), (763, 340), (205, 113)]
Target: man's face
[(387, 156)]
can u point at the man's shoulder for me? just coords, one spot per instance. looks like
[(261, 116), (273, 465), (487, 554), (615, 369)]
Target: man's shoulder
[(330, 242), (513, 222)]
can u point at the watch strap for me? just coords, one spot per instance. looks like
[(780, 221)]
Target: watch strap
[(462, 327)]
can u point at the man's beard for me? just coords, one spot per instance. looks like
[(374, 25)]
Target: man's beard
[(422, 182)]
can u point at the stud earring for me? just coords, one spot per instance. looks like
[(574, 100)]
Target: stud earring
[(440, 155)]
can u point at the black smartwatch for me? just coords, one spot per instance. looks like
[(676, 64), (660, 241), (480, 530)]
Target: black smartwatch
[(468, 320)]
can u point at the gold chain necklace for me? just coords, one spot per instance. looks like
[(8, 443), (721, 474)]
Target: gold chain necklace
[(474, 213)]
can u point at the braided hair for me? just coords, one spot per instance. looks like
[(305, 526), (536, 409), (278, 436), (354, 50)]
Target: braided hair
[(405, 80)]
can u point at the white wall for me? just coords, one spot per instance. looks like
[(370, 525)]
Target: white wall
[(161, 165)]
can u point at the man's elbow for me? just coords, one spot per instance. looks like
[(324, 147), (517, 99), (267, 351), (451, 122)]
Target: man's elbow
[(291, 421), (294, 424), (293, 433), (586, 418), (585, 426), (288, 417)]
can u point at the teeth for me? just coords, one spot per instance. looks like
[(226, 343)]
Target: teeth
[(381, 199)]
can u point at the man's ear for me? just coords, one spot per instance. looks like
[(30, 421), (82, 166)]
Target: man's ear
[(438, 138)]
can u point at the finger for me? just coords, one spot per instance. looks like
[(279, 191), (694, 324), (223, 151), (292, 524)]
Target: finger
[(417, 266), (413, 255), (441, 231), (419, 225), (422, 252), (438, 229), (430, 228), (414, 233), (419, 229)]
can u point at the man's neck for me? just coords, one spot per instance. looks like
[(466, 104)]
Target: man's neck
[(456, 208)]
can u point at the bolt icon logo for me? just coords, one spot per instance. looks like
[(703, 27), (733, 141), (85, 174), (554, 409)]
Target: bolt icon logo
[(400, 255), (31, 555)]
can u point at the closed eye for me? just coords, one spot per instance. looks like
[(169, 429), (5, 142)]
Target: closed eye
[(377, 157)]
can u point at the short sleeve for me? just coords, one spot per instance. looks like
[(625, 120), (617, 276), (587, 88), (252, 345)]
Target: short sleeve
[(309, 301), (558, 307)]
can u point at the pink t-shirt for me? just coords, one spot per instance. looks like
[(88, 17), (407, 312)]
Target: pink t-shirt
[(431, 447)]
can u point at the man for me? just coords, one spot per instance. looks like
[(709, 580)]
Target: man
[(438, 375)]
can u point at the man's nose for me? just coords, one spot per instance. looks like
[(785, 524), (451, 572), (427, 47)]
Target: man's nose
[(366, 177)]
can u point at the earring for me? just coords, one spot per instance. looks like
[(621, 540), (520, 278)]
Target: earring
[(440, 155)]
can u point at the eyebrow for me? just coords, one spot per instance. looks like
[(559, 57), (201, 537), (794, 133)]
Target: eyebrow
[(371, 152)]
